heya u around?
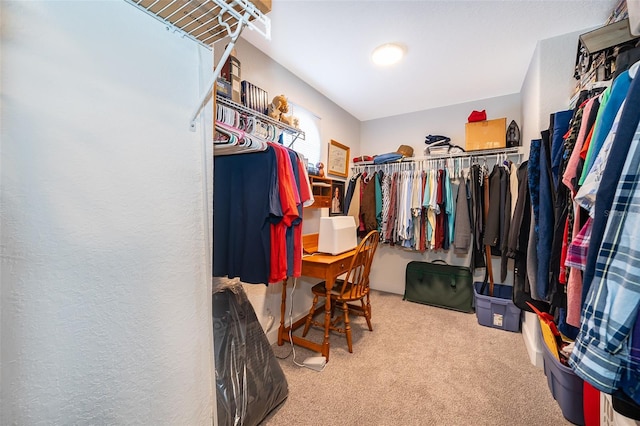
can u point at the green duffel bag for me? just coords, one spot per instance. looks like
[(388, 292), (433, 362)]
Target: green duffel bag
[(439, 284)]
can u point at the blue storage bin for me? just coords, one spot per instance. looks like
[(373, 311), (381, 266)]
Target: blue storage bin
[(565, 386), (497, 311)]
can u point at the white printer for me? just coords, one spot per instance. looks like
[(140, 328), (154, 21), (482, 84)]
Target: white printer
[(337, 234)]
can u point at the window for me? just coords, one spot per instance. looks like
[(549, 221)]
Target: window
[(309, 123)]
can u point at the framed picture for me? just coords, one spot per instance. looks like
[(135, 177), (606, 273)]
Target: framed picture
[(336, 207), (338, 163)]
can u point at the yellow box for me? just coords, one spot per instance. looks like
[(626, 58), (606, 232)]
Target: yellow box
[(488, 134)]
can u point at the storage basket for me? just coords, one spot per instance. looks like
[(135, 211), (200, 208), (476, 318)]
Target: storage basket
[(497, 311)]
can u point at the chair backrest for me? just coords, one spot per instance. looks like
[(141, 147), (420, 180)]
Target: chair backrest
[(356, 282)]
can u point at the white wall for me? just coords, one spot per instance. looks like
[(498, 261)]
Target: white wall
[(262, 71), (387, 134), (548, 84), (547, 88), (336, 124), (105, 293)]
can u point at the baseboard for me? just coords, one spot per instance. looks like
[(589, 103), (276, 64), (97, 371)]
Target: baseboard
[(532, 340)]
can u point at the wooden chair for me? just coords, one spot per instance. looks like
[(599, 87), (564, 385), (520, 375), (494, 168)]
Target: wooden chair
[(354, 287)]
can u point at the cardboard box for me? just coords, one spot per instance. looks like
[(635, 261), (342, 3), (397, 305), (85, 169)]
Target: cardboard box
[(263, 5), (488, 134)]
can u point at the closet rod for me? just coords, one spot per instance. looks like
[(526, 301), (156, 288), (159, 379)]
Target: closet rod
[(481, 153), (414, 160)]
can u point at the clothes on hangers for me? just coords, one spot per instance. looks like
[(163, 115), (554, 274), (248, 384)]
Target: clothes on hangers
[(462, 228), (242, 248), (237, 133), (581, 254), (415, 205), (610, 275), (258, 201)]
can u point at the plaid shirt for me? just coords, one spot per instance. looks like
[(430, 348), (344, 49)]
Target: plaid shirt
[(601, 352), (577, 253)]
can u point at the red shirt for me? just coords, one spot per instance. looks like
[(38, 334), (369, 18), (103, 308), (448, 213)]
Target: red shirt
[(288, 194)]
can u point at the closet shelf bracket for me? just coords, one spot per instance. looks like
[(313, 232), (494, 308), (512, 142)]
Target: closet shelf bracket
[(209, 92), (208, 21)]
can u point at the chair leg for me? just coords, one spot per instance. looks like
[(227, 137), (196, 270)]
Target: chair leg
[(347, 326), (307, 323), (369, 306), (367, 313)]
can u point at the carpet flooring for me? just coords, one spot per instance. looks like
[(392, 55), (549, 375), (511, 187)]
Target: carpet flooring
[(421, 365)]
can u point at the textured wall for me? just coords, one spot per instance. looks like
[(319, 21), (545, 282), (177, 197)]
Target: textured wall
[(548, 84), (105, 300)]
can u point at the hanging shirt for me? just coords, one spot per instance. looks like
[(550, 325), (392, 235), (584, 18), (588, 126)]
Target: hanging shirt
[(586, 195), (569, 176), (416, 207), (407, 222), (386, 202), (618, 93), (378, 188), (602, 347), (354, 206), (349, 194), (289, 200), (513, 187), (440, 219), (306, 192), (450, 210), (603, 99), (434, 209), (392, 209), (247, 188), (462, 234), (368, 205), (423, 216), (294, 232)]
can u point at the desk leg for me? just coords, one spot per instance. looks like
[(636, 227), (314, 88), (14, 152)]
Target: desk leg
[(327, 318), (283, 308)]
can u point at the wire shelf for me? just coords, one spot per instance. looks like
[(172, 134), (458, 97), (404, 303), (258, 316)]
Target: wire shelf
[(297, 133), (207, 21)]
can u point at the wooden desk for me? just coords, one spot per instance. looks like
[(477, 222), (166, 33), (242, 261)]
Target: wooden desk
[(327, 268)]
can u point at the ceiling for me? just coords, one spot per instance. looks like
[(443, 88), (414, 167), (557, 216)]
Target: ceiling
[(456, 51)]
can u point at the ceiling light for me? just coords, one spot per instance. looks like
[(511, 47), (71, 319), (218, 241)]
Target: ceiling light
[(387, 54)]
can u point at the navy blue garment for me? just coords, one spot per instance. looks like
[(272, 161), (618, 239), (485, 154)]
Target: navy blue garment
[(546, 220), (561, 122), (245, 203), (349, 194), (289, 234), (567, 329), (610, 177), (533, 171)]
